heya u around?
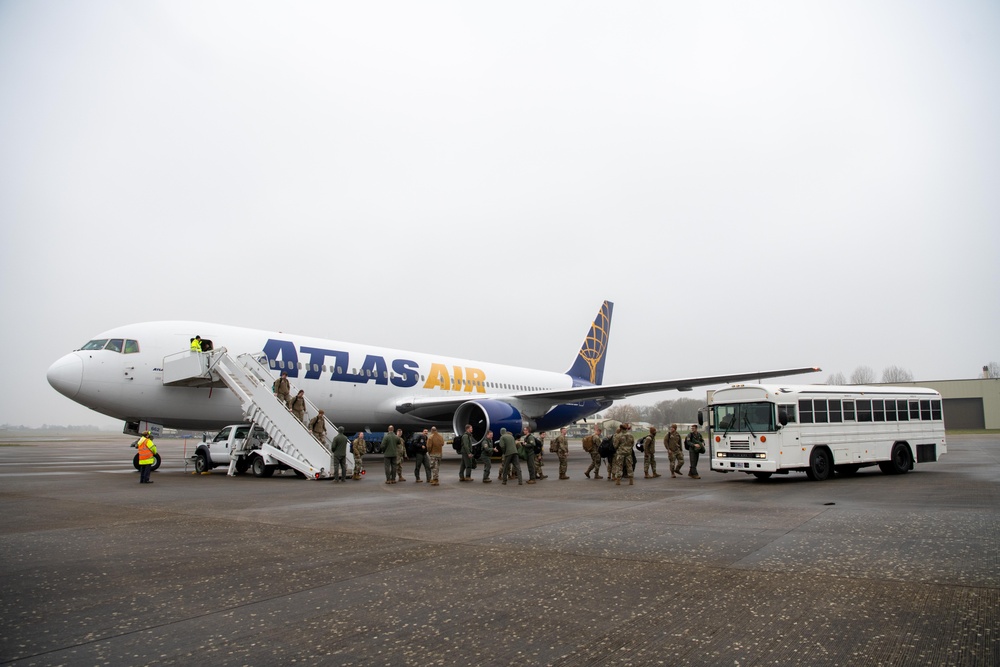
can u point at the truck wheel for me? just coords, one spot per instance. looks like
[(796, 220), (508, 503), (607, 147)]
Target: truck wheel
[(201, 463), (242, 465), (261, 469), (135, 461)]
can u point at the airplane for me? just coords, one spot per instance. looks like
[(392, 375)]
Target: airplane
[(119, 373)]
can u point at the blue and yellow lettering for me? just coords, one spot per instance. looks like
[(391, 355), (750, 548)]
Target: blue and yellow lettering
[(283, 350), (437, 378), (406, 371)]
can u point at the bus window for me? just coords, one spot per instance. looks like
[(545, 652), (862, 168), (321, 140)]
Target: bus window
[(936, 410), (925, 410), (835, 413), (890, 410), (864, 411), (848, 411), (819, 411), (878, 409), (901, 410), (788, 413), (805, 411), (914, 411)]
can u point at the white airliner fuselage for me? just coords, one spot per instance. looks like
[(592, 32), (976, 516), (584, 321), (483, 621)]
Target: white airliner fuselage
[(119, 373)]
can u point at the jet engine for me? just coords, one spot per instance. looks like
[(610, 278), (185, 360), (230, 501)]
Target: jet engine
[(488, 415)]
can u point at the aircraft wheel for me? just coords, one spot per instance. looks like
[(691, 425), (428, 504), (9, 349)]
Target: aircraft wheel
[(156, 464)]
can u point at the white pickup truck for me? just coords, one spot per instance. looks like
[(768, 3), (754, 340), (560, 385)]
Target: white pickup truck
[(218, 451)]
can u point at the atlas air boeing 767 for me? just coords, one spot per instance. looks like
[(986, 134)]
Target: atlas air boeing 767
[(120, 373)]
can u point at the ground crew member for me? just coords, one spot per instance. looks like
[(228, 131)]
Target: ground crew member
[(147, 457), (339, 453), (648, 453), (591, 443), (196, 344), (675, 455)]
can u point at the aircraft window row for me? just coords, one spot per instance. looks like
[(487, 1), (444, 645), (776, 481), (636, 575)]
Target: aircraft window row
[(281, 364), (120, 345), (828, 411)]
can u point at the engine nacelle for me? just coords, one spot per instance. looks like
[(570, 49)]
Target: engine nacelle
[(488, 415)]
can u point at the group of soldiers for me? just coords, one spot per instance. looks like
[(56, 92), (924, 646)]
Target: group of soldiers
[(619, 460), (426, 450)]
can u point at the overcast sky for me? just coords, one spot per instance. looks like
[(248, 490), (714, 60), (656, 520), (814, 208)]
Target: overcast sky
[(755, 185)]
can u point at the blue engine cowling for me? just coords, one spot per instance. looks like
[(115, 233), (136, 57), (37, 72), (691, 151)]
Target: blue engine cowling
[(488, 415)]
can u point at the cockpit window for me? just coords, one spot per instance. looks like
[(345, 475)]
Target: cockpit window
[(97, 344), (131, 346), (115, 345)]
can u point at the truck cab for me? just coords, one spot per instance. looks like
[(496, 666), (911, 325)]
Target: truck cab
[(231, 440)]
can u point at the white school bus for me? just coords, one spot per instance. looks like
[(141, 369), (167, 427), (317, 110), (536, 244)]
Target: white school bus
[(821, 429)]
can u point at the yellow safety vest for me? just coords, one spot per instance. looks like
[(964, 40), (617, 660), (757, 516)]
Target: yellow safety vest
[(147, 452), (196, 345)]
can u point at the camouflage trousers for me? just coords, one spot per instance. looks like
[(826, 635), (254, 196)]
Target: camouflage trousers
[(435, 467), (563, 462), (676, 459), (648, 461), (623, 458), (595, 462), (399, 467), (538, 465), (486, 463)]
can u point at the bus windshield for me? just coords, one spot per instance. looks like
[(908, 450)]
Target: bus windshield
[(747, 417)]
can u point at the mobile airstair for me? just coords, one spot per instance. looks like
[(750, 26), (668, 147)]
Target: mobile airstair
[(290, 443)]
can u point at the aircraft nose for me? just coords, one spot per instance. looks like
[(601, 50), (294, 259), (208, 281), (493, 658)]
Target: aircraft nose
[(66, 375)]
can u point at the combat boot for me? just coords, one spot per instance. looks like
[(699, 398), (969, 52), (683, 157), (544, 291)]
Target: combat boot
[(618, 481), (631, 480), (596, 476), (586, 473)]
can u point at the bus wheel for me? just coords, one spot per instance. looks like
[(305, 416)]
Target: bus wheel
[(762, 475), (261, 469), (819, 465), (899, 462)]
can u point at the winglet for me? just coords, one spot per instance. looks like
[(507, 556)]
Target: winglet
[(589, 365)]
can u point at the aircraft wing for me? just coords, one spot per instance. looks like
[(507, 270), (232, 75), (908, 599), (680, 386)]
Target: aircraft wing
[(441, 407)]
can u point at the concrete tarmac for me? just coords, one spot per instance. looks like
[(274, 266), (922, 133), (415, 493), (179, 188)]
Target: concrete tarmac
[(726, 570)]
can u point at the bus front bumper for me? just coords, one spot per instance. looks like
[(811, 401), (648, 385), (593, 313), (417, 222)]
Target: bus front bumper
[(744, 465)]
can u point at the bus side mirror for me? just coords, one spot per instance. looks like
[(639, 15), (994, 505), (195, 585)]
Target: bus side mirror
[(701, 418), (782, 417)]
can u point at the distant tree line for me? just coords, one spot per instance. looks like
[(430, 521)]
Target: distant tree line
[(664, 413)]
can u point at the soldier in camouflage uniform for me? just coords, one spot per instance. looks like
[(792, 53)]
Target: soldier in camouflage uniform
[(561, 446), (435, 445), (648, 453), (529, 442), (508, 448), (538, 457), (623, 454), (484, 458), (590, 445), (358, 448), (400, 455), (672, 441), (695, 444)]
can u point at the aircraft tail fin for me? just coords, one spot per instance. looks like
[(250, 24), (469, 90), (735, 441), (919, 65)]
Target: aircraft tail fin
[(589, 364)]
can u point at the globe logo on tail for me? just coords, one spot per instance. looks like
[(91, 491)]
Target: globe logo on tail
[(596, 343)]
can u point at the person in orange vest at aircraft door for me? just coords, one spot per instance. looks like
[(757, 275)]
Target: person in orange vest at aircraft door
[(147, 457)]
